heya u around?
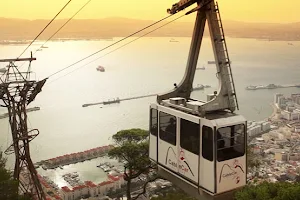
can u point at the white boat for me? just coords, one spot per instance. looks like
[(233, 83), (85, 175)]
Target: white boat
[(251, 87), (198, 87), (201, 87)]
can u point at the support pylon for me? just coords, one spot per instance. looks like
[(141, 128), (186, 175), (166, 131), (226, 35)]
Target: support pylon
[(16, 92)]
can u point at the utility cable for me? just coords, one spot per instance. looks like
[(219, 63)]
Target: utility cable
[(64, 24), (45, 28), (120, 47), (60, 28), (109, 46)]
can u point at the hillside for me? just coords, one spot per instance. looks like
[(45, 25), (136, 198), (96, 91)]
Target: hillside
[(19, 29)]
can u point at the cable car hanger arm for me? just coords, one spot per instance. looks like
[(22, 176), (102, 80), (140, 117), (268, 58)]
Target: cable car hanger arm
[(225, 97), (181, 5)]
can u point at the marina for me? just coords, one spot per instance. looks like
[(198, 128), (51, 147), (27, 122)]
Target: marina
[(60, 161)]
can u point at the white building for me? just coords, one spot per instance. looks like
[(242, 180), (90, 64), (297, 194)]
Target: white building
[(281, 102), (286, 115), (91, 189), (297, 129), (276, 97), (266, 126), (295, 116), (255, 128)]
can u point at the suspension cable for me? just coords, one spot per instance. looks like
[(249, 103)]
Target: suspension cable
[(109, 46), (60, 28), (64, 24), (44, 28), (119, 47)]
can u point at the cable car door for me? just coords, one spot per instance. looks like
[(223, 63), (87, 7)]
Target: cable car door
[(207, 158), (153, 129), (230, 156), (167, 141), (189, 148)]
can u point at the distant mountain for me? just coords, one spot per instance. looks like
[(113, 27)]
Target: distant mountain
[(20, 29)]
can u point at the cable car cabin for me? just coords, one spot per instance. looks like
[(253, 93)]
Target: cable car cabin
[(203, 156)]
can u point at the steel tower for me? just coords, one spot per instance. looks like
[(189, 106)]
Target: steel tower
[(16, 92)]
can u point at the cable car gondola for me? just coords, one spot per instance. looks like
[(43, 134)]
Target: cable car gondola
[(201, 146)]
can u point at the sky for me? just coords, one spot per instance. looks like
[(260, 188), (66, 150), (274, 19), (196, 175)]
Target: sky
[(273, 11)]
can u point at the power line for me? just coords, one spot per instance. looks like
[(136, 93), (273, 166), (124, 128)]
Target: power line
[(60, 28), (120, 47), (45, 28), (65, 23), (109, 46)]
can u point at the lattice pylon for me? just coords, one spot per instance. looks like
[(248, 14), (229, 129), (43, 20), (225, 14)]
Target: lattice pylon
[(16, 92)]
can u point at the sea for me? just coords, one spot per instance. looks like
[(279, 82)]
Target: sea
[(146, 66)]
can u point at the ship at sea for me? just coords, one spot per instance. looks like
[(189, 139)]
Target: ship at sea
[(2, 70), (200, 87), (213, 62), (173, 40), (201, 68), (100, 69), (117, 100), (270, 86)]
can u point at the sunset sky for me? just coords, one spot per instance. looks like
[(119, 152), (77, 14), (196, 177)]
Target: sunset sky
[(239, 10)]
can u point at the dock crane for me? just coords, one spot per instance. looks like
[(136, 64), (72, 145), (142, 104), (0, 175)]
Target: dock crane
[(200, 146)]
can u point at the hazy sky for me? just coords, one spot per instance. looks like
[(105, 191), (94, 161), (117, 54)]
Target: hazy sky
[(240, 10)]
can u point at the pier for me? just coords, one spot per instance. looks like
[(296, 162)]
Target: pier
[(5, 115), (117, 100), (271, 86)]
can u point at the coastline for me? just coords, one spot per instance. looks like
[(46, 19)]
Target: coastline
[(273, 112), (24, 41)]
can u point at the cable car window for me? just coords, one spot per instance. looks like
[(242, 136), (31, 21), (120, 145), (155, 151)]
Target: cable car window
[(190, 136), (167, 127), (230, 142), (153, 121), (207, 143)]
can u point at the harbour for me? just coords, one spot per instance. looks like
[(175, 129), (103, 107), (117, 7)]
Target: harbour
[(73, 158), (271, 86), (93, 127)]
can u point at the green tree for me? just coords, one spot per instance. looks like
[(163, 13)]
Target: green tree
[(270, 191), (132, 147), (8, 186)]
